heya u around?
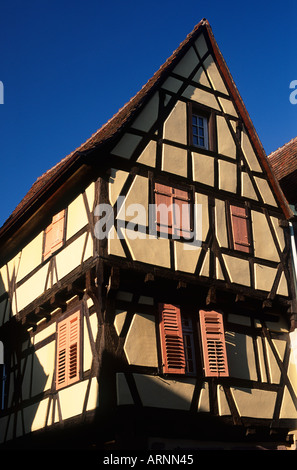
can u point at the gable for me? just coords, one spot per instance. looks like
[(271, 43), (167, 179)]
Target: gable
[(151, 141)]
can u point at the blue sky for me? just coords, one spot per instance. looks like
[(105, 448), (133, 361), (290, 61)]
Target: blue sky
[(68, 66)]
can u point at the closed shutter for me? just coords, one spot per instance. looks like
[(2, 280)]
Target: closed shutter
[(58, 230), (182, 215), (173, 210), (213, 344), (47, 250), (54, 235), (68, 350), (239, 221), (171, 339), (163, 202)]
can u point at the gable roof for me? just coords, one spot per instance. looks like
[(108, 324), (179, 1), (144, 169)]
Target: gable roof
[(114, 126)]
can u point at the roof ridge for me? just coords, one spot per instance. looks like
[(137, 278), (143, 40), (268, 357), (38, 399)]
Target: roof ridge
[(283, 146)]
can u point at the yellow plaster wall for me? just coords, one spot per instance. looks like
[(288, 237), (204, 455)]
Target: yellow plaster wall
[(254, 403), (140, 344), (241, 357), (174, 160), (148, 115), (203, 168), (165, 393), (76, 217), (264, 245), (175, 126), (148, 249), (31, 256), (226, 144)]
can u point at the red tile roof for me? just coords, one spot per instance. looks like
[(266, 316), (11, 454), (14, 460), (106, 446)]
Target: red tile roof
[(284, 159)]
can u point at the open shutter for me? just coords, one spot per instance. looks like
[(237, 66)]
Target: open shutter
[(68, 350), (213, 344), (62, 346), (73, 352), (171, 339), (239, 221)]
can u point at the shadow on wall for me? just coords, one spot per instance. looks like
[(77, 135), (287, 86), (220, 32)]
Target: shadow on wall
[(22, 377), (241, 363)]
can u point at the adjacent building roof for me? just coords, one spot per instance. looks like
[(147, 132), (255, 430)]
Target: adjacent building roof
[(284, 164), (112, 128)]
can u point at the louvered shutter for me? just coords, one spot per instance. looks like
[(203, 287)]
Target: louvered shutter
[(62, 346), (239, 221), (172, 345), (213, 344), (73, 352), (68, 351)]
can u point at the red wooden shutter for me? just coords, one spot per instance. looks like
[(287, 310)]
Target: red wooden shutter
[(163, 201), (54, 234), (213, 344), (68, 351), (58, 230), (47, 250), (62, 354), (171, 339), (239, 221), (173, 216), (181, 217)]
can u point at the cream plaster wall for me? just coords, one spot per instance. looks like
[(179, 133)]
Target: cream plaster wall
[(175, 126), (226, 144), (264, 245), (140, 344), (165, 393)]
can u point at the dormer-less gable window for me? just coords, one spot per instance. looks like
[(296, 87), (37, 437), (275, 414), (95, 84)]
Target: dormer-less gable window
[(200, 131), (54, 235)]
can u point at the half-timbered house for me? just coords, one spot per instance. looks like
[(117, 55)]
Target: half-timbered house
[(146, 297)]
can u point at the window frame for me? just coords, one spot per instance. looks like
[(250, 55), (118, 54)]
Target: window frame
[(199, 336), (209, 117), (204, 126), (66, 319), (176, 232)]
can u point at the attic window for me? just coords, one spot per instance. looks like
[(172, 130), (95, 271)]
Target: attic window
[(54, 235), (200, 131)]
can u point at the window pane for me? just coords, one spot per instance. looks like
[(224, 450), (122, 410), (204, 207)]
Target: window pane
[(199, 131)]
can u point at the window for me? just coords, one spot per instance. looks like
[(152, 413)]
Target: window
[(240, 238), (68, 350), (177, 336), (173, 211), (200, 131), (54, 235)]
